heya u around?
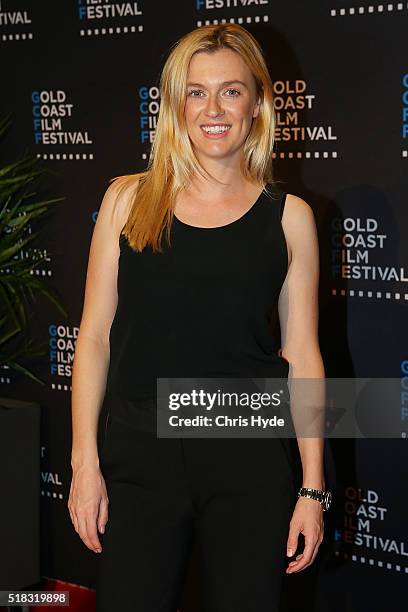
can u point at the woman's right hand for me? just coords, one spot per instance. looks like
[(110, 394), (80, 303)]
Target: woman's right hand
[(88, 504)]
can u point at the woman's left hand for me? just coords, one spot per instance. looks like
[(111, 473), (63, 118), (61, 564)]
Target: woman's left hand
[(307, 518)]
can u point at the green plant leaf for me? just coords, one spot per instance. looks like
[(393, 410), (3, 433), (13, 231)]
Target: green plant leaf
[(22, 204)]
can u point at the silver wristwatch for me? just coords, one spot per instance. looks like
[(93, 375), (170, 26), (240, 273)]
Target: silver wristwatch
[(324, 497)]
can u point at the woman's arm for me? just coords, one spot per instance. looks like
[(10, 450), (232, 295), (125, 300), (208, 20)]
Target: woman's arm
[(88, 499), (91, 359), (298, 314)]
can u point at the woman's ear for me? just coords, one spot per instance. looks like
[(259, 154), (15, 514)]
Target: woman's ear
[(257, 107)]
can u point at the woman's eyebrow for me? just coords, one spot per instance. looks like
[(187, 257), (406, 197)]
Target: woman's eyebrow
[(221, 84)]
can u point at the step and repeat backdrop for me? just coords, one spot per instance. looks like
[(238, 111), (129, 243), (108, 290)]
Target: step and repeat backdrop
[(81, 77)]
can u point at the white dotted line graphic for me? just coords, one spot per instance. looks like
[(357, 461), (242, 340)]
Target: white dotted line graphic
[(388, 295), (376, 562), (37, 272), (109, 31), (305, 154), (404, 153), (5, 380), (256, 19), (59, 387), (361, 10), (53, 495), (76, 156), (19, 36)]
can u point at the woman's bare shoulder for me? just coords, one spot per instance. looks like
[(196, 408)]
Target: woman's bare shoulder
[(297, 214), (297, 205), (298, 222), (118, 199)]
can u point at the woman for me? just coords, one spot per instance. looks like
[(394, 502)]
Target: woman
[(191, 262)]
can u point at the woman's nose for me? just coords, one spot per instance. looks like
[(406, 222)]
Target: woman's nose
[(213, 106)]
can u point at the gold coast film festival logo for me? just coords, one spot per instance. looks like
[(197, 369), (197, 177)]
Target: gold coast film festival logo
[(62, 341), (368, 532), (365, 263), (58, 133)]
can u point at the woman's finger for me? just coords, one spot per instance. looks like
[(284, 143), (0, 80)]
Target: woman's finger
[(306, 556), (83, 532), (103, 514), (92, 533)]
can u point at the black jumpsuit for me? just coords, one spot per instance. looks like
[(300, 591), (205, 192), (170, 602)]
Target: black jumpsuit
[(203, 308)]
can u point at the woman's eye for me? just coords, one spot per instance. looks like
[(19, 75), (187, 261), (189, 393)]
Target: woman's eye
[(193, 93)]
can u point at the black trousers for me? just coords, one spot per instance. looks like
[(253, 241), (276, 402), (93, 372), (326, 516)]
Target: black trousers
[(235, 495)]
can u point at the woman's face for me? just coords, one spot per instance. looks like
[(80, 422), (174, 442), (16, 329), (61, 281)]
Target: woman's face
[(221, 103)]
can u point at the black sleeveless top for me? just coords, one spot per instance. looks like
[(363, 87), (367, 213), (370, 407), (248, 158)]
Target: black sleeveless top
[(205, 307)]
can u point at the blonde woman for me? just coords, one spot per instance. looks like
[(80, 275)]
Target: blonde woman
[(192, 262)]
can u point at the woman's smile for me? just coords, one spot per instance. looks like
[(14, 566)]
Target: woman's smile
[(215, 130)]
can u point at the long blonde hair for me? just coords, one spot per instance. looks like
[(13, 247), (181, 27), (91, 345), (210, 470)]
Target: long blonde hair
[(172, 162)]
